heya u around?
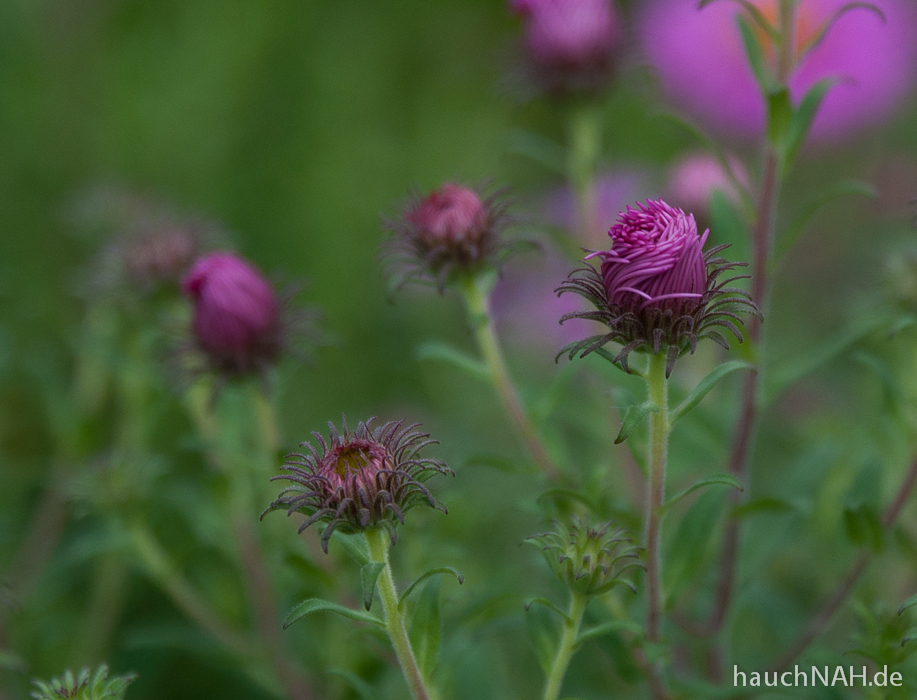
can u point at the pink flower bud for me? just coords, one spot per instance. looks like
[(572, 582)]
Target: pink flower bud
[(450, 216), (656, 259), (570, 43), (236, 314)]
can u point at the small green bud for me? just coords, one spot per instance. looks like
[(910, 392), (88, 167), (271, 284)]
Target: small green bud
[(589, 559), (84, 686)]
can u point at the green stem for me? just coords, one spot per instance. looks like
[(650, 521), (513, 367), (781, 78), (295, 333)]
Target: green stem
[(585, 138), (658, 452), (378, 541), (477, 302), (567, 646)]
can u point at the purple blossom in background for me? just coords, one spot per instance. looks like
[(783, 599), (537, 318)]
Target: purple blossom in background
[(656, 259), (695, 177), (699, 58), (570, 44), (236, 313), (527, 309)]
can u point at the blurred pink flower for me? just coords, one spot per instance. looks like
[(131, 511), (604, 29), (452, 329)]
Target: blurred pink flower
[(696, 176), (699, 57)]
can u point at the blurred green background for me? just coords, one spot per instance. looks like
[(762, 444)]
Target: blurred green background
[(296, 123)]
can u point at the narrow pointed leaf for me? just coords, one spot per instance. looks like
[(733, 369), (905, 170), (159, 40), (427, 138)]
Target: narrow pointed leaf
[(545, 603), (756, 15), (634, 416), (706, 385), (909, 603), (446, 353), (426, 630), (911, 636), (314, 605), (369, 574), (804, 115), (610, 627), (756, 58), (427, 574), (725, 479)]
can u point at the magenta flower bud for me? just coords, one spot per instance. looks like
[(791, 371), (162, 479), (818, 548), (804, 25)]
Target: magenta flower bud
[(452, 230), (570, 44), (368, 478), (236, 313), (657, 288)]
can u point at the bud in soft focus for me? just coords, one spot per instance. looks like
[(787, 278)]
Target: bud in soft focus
[(569, 44), (589, 559), (161, 256), (657, 289), (699, 57), (236, 313), (368, 478), (450, 231), (694, 178), (85, 686)]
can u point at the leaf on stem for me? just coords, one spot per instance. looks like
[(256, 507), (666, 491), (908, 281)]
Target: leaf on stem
[(545, 603), (909, 603), (369, 574), (756, 59), (362, 688), (725, 479), (864, 527), (609, 628), (314, 605), (911, 636), (756, 15), (826, 27), (804, 115), (760, 506), (540, 149), (426, 631), (543, 634), (706, 385), (427, 574), (691, 547), (633, 417), (435, 350)]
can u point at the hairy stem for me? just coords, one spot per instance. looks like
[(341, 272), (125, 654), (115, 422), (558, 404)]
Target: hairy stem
[(477, 303), (378, 541), (848, 583), (567, 646), (658, 452)]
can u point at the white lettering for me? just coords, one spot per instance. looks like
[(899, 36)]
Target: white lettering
[(839, 670)]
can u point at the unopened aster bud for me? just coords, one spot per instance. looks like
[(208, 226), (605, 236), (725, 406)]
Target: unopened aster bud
[(452, 230), (368, 478), (161, 256), (589, 559), (569, 44), (84, 686), (236, 313), (657, 289)]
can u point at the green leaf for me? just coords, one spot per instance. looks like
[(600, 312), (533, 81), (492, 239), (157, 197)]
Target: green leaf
[(863, 527), (543, 634), (761, 506), (706, 385), (427, 574), (910, 636), (545, 603), (609, 628), (444, 352), (756, 59), (779, 118), (426, 631), (909, 603), (689, 550), (726, 479), (802, 117), (814, 357), (540, 149), (369, 574), (354, 545), (314, 605), (362, 688), (826, 27), (798, 225), (634, 416)]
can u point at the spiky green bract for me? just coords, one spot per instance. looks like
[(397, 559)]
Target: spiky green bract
[(365, 479), (588, 558), (652, 329), (84, 686)]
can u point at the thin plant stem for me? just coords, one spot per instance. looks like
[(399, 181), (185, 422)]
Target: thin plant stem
[(658, 453), (476, 295), (378, 541), (567, 646), (848, 583), (585, 145)]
